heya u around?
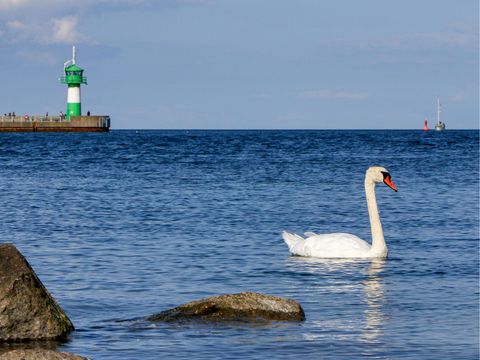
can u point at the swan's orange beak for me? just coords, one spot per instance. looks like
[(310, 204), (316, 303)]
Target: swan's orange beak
[(388, 181)]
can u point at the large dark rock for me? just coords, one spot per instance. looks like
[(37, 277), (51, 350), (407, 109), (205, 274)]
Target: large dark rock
[(27, 310), (246, 306), (39, 355)]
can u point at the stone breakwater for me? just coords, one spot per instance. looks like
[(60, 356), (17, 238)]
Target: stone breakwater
[(54, 124)]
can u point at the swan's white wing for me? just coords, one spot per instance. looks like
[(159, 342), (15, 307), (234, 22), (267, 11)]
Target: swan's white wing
[(336, 245), (309, 233), (294, 242)]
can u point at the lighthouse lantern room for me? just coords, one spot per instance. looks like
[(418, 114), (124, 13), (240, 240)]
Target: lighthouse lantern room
[(73, 78)]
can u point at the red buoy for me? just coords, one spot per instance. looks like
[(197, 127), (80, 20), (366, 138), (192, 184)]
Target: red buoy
[(425, 126)]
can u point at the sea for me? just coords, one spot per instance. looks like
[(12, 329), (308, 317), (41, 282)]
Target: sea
[(122, 225)]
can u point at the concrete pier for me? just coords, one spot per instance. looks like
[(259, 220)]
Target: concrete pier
[(37, 123)]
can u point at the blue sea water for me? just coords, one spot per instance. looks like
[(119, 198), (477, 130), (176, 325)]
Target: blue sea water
[(123, 225)]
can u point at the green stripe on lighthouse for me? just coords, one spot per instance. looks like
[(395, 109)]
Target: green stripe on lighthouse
[(74, 109)]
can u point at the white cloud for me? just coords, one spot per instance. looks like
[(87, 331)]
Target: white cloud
[(16, 26), (452, 39), (16, 7), (64, 31), (17, 29), (59, 21), (69, 5), (332, 95), (56, 31), (412, 45), (11, 4)]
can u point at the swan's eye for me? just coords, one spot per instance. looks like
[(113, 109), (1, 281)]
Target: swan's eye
[(385, 175)]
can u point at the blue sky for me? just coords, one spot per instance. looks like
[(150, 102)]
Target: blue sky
[(236, 64)]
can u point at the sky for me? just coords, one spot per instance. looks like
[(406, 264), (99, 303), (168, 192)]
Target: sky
[(247, 64)]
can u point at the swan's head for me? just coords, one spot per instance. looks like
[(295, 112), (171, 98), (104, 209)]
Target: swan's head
[(379, 174)]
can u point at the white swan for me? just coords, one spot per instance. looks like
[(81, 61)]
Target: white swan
[(341, 245)]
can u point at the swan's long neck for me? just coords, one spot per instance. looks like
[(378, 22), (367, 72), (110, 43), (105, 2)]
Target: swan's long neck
[(379, 247)]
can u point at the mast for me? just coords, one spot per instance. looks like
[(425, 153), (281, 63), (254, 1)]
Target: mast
[(438, 111)]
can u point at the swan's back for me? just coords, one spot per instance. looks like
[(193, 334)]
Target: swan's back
[(336, 245)]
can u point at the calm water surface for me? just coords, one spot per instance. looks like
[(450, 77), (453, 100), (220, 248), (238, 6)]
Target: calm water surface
[(122, 225)]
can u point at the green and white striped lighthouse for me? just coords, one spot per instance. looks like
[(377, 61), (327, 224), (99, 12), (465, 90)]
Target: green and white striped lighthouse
[(73, 78)]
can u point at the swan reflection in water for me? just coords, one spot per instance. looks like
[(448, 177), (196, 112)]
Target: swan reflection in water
[(341, 282), (374, 296)]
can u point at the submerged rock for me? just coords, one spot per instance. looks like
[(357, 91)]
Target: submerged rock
[(246, 306), (39, 355), (27, 310)]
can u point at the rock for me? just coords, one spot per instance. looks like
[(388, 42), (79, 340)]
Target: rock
[(246, 306), (27, 310), (39, 355)]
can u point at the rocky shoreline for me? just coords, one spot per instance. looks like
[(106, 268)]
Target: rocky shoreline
[(29, 313), (39, 355), (27, 310)]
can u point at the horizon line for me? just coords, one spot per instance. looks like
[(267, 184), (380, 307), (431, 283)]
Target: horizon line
[(281, 129)]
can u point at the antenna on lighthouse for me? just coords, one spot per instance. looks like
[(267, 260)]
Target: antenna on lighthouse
[(72, 61)]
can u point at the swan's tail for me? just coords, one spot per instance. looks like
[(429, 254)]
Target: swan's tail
[(292, 240)]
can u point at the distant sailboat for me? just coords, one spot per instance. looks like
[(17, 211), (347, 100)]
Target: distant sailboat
[(440, 125), (425, 125)]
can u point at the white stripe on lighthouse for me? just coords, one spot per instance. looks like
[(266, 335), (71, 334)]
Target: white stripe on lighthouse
[(73, 95)]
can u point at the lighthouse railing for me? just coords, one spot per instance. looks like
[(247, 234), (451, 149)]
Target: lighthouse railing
[(73, 79)]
